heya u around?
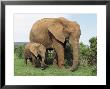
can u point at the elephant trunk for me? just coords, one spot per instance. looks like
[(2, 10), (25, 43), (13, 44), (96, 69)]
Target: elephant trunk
[(75, 50), (43, 65)]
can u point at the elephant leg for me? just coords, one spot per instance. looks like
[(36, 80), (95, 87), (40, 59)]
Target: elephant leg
[(61, 59), (42, 61), (25, 61), (55, 62), (33, 61), (43, 65), (60, 53), (75, 46)]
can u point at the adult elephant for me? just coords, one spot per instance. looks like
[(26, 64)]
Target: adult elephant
[(52, 32)]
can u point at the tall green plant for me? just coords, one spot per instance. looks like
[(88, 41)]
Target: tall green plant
[(19, 51), (88, 54), (84, 54), (93, 51)]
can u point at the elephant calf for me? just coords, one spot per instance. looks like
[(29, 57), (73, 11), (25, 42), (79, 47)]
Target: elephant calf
[(35, 52)]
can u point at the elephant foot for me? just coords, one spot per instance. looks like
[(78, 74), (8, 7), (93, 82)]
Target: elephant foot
[(61, 65), (55, 62), (74, 66), (44, 66)]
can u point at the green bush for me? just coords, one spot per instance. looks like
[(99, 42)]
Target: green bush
[(19, 51), (93, 51), (88, 54), (84, 54)]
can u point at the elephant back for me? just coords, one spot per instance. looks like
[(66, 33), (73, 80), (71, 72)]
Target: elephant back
[(39, 32)]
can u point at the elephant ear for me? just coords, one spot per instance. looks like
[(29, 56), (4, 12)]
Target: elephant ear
[(57, 30), (34, 49)]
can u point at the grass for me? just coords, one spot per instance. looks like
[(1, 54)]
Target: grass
[(20, 69)]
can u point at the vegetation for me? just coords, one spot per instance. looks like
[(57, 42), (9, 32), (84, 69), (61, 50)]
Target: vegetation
[(19, 51), (87, 67), (88, 54), (20, 69)]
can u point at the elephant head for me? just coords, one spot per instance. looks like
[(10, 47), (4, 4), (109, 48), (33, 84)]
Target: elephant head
[(38, 49), (62, 29)]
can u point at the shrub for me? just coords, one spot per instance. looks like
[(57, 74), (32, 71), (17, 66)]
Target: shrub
[(19, 51), (93, 51), (88, 55), (84, 54)]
